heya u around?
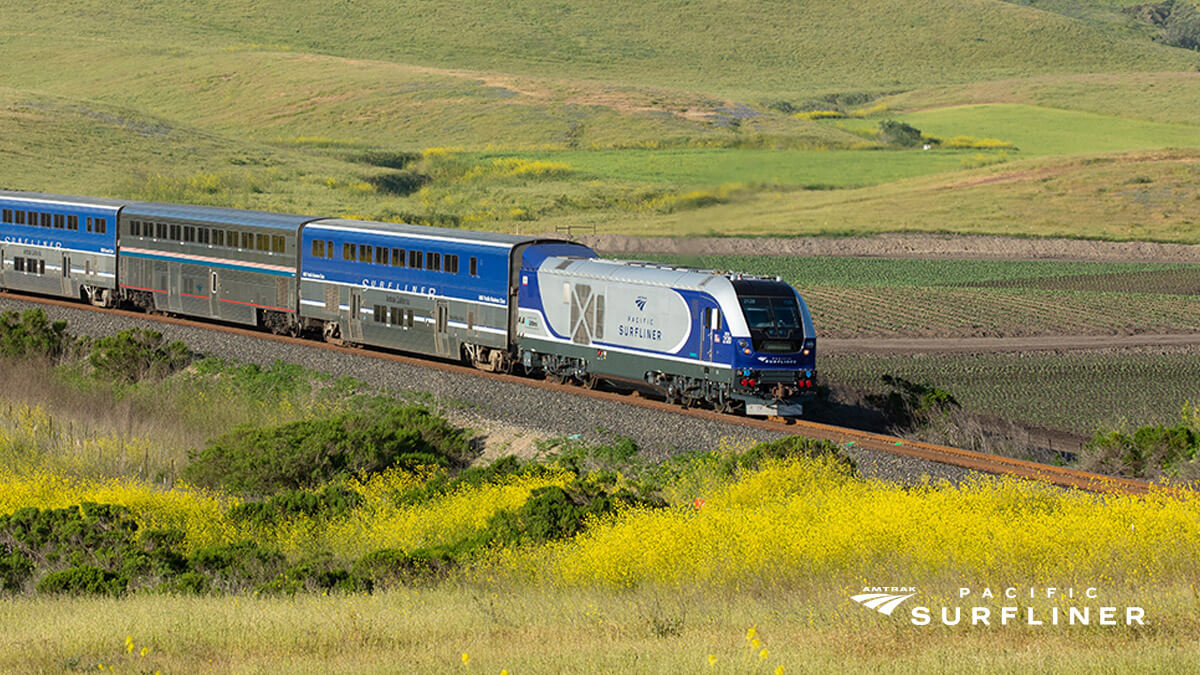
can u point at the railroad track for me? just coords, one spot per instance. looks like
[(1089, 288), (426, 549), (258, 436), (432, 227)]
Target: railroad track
[(967, 459)]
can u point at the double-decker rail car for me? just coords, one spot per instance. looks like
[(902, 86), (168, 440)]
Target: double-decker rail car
[(59, 245), (216, 263), (735, 342), (435, 291)]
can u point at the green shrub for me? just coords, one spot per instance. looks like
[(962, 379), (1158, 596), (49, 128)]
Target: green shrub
[(82, 580), (15, 570), (899, 133), (387, 158), (910, 405), (237, 566), (1150, 452), (309, 453), (188, 583), (389, 567), (399, 183), (137, 354), (317, 572), (32, 334), (331, 501)]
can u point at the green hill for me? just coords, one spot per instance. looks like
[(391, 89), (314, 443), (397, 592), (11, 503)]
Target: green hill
[(665, 118)]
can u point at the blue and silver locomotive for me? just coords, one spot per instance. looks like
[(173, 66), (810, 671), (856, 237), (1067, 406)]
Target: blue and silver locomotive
[(545, 306)]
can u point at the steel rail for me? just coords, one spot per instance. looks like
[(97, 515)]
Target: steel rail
[(967, 459)]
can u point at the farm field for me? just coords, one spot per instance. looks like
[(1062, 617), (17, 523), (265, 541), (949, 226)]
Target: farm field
[(875, 297)]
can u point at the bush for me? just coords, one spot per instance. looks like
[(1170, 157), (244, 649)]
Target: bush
[(899, 133), (1151, 452), (911, 405), (137, 354), (238, 566), (82, 580), (399, 183), (391, 567), (309, 453), (331, 501), (387, 159), (32, 334)]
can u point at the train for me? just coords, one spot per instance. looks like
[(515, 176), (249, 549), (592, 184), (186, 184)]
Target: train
[(538, 306)]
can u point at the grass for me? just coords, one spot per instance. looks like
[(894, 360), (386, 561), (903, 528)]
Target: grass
[(1049, 131), (572, 631)]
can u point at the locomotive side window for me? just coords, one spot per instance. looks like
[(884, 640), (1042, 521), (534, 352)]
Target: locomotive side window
[(318, 248), (452, 264), (473, 266), (397, 258)]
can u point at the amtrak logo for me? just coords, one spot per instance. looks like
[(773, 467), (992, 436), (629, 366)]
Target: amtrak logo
[(884, 600), (641, 303)]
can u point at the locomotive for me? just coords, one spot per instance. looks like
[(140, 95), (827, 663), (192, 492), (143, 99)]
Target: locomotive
[(545, 307)]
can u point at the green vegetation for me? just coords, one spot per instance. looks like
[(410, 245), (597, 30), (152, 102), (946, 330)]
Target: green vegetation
[(1077, 392), (876, 297), (1152, 452)]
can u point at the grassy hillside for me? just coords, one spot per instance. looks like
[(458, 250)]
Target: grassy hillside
[(538, 116), (708, 45)]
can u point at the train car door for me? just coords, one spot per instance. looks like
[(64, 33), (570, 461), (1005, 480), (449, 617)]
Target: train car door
[(354, 323), (214, 286), (3, 268), (174, 286), (441, 328), (66, 275)]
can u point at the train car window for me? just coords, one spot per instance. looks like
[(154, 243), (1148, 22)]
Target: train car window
[(60, 221), (261, 242), (380, 314), (8, 218), (189, 233), (433, 261), (89, 224), (278, 243), (202, 235), (474, 266), (397, 257), (348, 252), (41, 265), (397, 317), (218, 237), (135, 228), (329, 249), (318, 248), (175, 230), (73, 223), (18, 264), (452, 264), (364, 253), (381, 255), (21, 217), (414, 259), (101, 225), (410, 318), (45, 220), (33, 221)]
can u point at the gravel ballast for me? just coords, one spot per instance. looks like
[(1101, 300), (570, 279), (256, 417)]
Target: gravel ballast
[(486, 401)]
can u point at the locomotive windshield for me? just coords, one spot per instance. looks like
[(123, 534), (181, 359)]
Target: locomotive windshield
[(763, 313)]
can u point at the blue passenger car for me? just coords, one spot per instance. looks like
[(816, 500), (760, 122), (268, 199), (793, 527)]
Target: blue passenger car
[(422, 289), (59, 245)]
